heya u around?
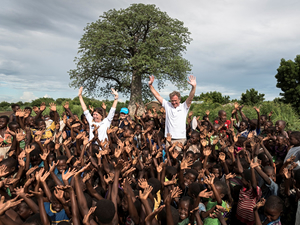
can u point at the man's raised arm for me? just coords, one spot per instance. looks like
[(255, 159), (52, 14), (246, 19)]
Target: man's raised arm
[(192, 81), (154, 92)]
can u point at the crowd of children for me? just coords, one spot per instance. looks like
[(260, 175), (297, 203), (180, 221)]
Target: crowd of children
[(116, 169)]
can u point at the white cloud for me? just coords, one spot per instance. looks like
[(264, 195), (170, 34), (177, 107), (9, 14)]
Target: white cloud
[(27, 96), (46, 96)]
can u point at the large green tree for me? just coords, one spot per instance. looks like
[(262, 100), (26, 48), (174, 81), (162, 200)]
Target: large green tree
[(125, 46), (288, 80), (252, 97)]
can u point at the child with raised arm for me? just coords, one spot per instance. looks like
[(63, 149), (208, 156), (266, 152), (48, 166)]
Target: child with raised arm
[(96, 120)]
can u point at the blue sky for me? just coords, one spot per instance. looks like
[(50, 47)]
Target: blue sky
[(237, 45)]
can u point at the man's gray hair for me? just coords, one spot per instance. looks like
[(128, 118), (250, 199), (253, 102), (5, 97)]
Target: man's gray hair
[(175, 93)]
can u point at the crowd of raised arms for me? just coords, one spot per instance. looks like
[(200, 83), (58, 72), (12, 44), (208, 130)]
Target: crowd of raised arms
[(162, 167)]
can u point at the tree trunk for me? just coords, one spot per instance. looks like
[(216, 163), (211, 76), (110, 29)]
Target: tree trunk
[(136, 94)]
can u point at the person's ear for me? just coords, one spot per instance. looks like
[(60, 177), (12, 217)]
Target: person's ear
[(222, 196)]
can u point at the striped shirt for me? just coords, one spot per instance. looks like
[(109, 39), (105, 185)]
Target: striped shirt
[(247, 200)]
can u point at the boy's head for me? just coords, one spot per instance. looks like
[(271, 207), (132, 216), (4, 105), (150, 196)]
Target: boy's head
[(24, 211), (263, 119), (15, 107), (194, 137), (269, 171), (170, 172), (162, 216), (105, 211), (243, 125), (11, 165), (40, 124), (295, 138), (273, 208), (62, 163), (185, 205), (189, 177), (3, 121), (56, 204), (194, 189), (29, 121), (138, 129), (221, 188), (280, 125), (13, 126), (217, 170), (222, 116), (35, 219)]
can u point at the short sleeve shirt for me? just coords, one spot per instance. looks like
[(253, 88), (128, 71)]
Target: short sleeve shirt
[(175, 119)]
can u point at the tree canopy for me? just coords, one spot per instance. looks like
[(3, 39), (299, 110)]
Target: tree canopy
[(288, 78), (252, 97), (125, 46)]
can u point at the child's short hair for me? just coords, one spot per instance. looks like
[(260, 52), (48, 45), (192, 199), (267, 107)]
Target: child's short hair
[(295, 134), (38, 120), (195, 188), (35, 219), (155, 183), (197, 164), (5, 117), (222, 186), (274, 202), (187, 199), (14, 105), (105, 211), (217, 166), (11, 124), (247, 175), (62, 157), (162, 216), (192, 171)]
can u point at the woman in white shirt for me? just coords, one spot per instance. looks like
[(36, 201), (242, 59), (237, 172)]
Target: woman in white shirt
[(97, 119)]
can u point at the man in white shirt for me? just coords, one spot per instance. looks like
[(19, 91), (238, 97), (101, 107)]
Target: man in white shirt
[(176, 112)]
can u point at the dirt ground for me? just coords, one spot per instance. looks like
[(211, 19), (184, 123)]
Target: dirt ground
[(7, 113)]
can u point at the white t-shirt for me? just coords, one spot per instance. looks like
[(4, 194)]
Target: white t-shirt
[(104, 124), (175, 119)]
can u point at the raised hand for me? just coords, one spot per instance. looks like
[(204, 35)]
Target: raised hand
[(287, 173), (103, 105), (45, 155), (68, 174), (229, 176), (59, 194), (192, 81), (114, 92), (176, 192), (205, 194), (210, 179), (259, 204), (80, 91), (3, 171), (256, 109), (9, 204), (186, 163), (253, 164), (151, 80), (86, 217), (52, 167), (43, 106), (144, 195), (52, 106), (29, 148), (143, 183)]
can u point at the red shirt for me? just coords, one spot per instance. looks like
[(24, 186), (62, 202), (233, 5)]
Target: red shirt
[(226, 125)]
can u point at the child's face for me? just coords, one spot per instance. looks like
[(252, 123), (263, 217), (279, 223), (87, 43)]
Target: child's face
[(280, 140), (14, 127), (243, 126), (272, 214), (223, 116), (23, 210), (41, 125), (188, 179), (183, 210), (138, 130), (30, 121), (124, 204), (271, 174), (294, 141), (35, 160), (3, 123), (213, 197), (216, 172), (279, 126), (62, 165), (194, 138), (56, 206), (15, 109)]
